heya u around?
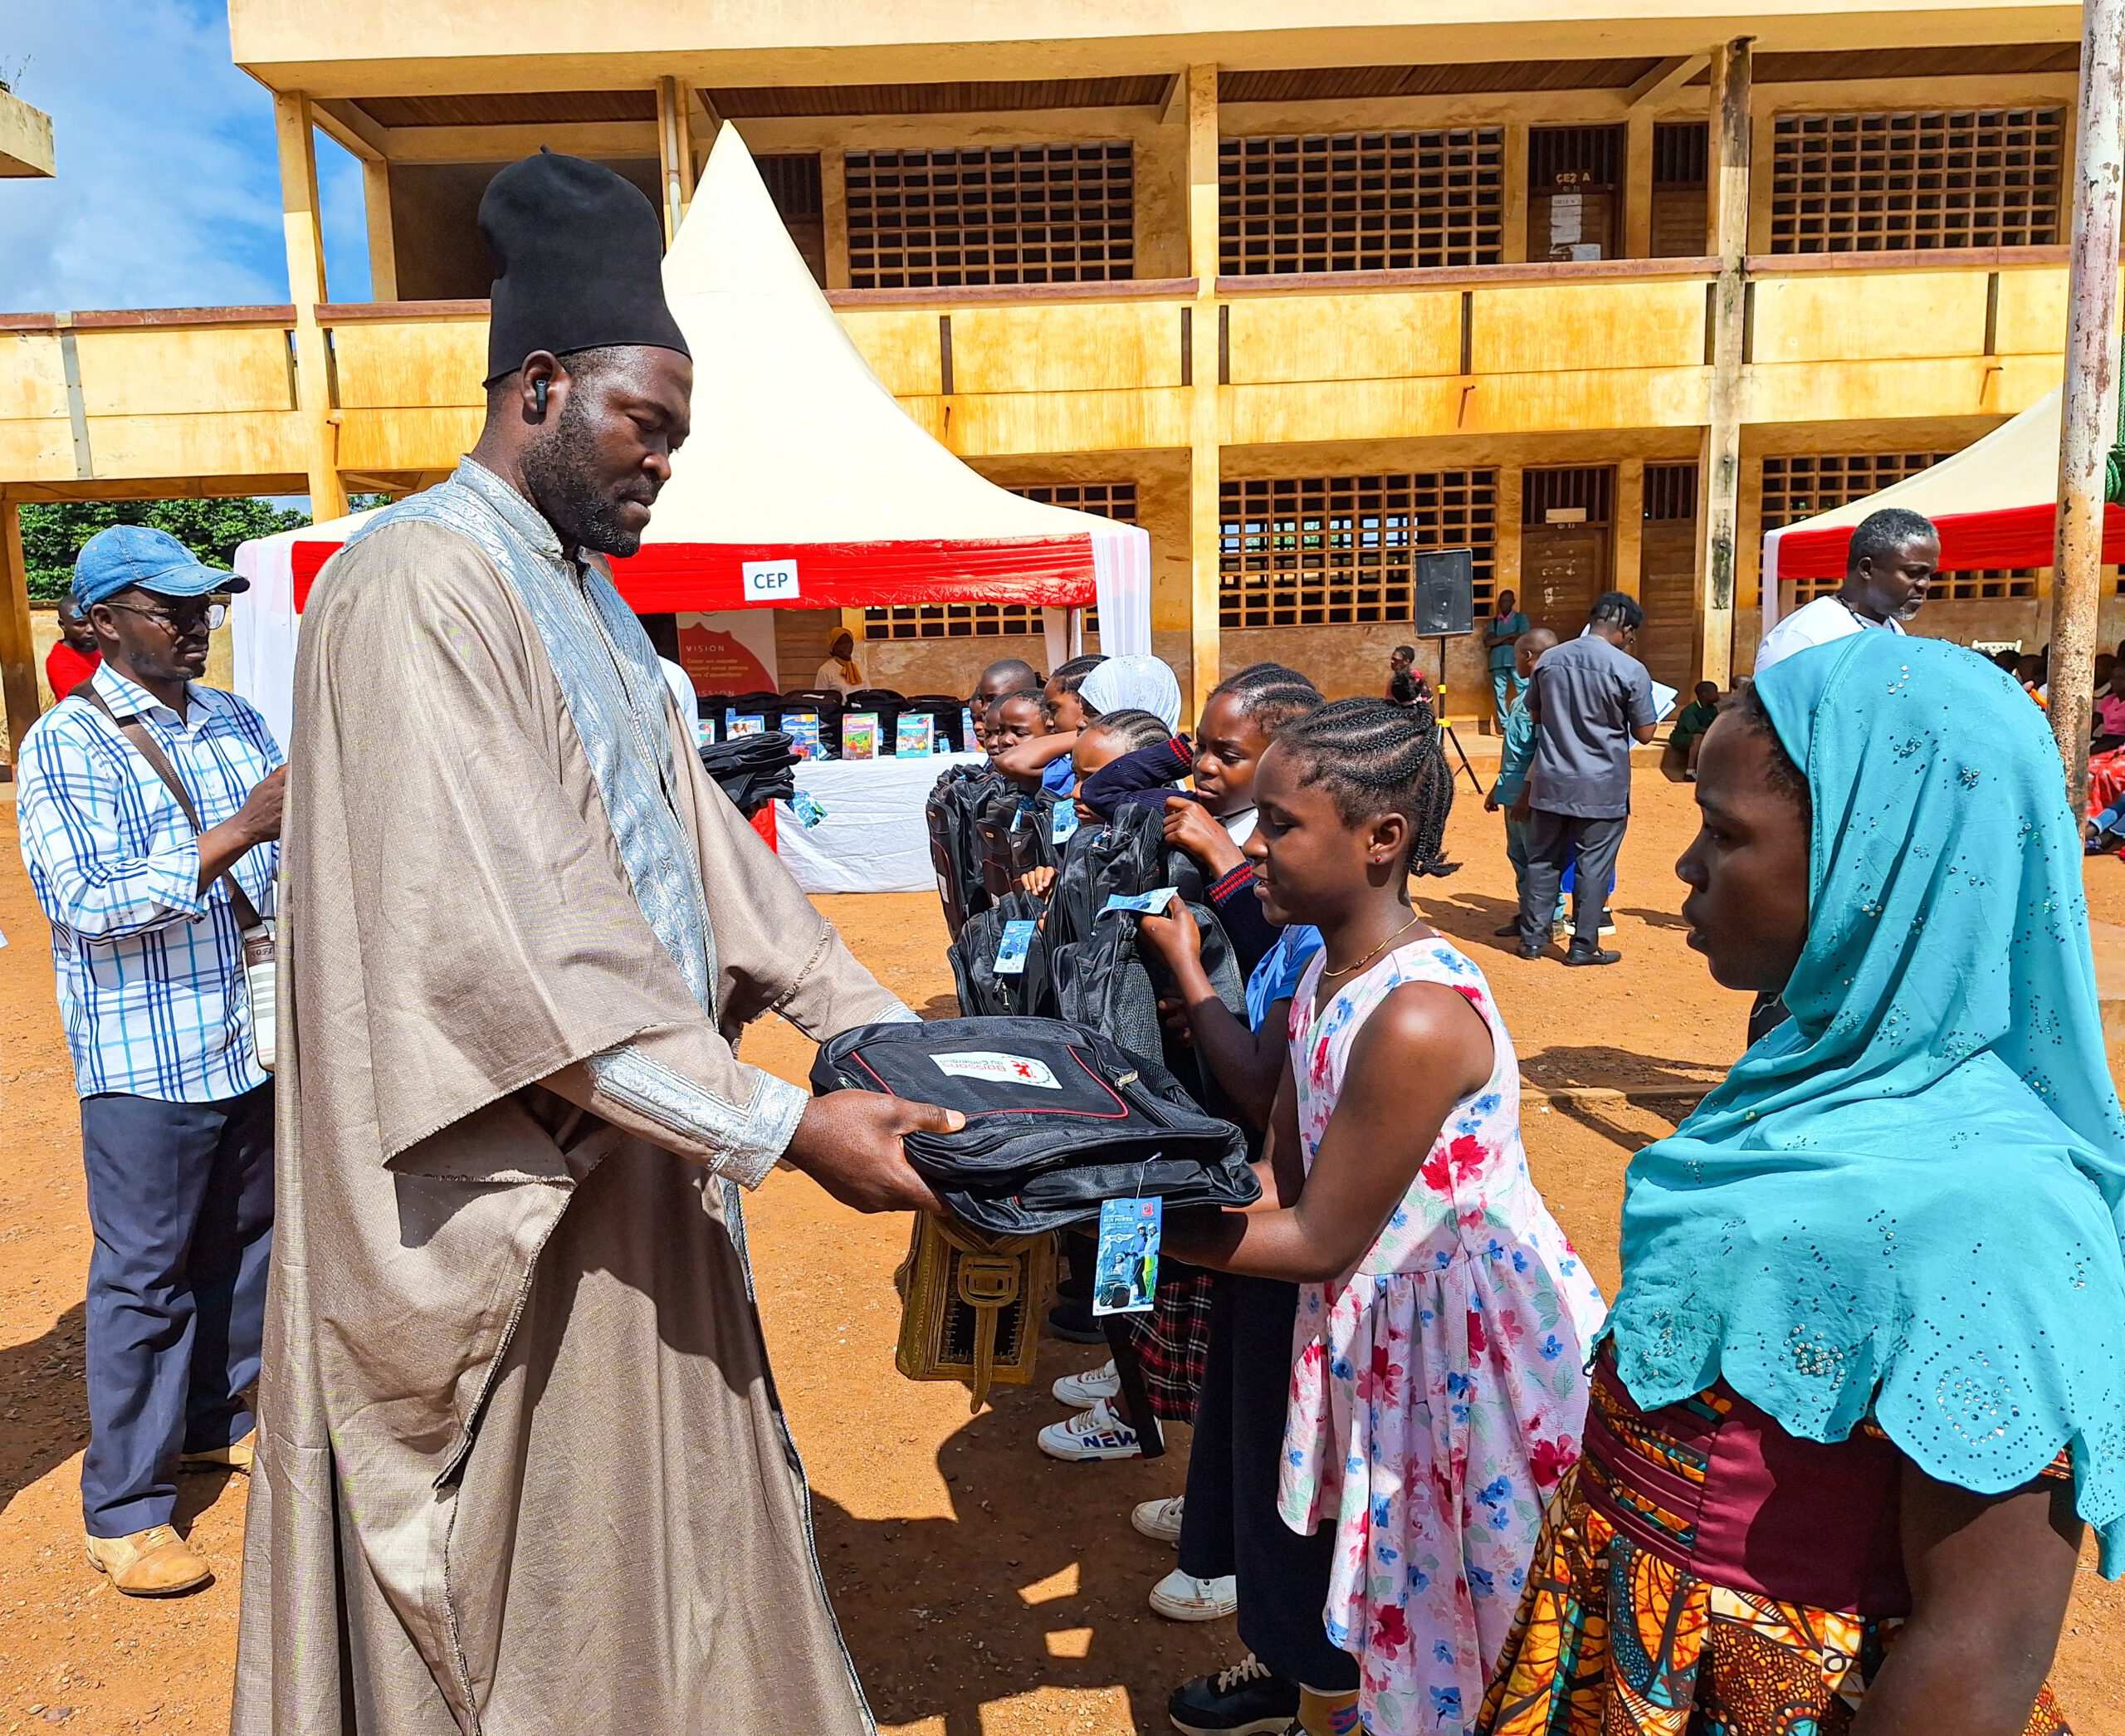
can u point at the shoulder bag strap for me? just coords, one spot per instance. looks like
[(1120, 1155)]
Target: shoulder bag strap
[(135, 731)]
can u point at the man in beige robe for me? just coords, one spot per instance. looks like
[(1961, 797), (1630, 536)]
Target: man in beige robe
[(521, 1464)]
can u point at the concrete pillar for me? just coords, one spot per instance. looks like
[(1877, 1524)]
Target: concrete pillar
[(383, 239), (1206, 399), (1719, 467), (1628, 534), (1638, 184), (674, 151), (18, 650), (2088, 423), (297, 139)]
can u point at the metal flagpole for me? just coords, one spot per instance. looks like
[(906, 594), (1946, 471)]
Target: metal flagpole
[(2088, 423)]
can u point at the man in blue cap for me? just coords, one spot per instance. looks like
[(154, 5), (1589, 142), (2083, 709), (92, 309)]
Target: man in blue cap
[(149, 892)]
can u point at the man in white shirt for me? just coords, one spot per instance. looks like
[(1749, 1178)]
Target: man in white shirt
[(1890, 562)]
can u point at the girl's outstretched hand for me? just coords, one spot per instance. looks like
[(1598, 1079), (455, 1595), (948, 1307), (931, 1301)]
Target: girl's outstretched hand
[(1174, 937)]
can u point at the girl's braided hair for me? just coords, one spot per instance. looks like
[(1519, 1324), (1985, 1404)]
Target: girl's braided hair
[(1070, 676), (1369, 755), (1269, 696), (1133, 729)]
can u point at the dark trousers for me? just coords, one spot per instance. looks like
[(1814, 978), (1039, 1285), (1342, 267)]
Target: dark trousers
[(1231, 1524), (180, 1200), (1552, 841)]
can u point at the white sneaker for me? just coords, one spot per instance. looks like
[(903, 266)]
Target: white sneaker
[(1095, 1434), (1160, 1520), (1078, 1391), (1182, 1597)]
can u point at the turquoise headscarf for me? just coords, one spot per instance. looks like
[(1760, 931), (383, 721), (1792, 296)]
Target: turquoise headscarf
[(1907, 1198)]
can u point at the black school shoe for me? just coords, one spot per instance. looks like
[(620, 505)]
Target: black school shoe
[(1579, 955), (1246, 1700)]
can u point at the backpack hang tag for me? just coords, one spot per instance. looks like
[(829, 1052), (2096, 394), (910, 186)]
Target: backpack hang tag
[(1125, 1268), (1011, 950), (1062, 821), (806, 807), (1152, 904)]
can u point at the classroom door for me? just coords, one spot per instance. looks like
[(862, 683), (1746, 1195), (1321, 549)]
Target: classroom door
[(1566, 545), (1667, 644)]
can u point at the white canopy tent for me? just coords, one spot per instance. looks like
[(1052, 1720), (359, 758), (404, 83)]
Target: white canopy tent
[(803, 483), (1995, 504)]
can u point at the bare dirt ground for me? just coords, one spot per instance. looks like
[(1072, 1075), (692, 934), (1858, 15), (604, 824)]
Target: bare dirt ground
[(986, 1591)]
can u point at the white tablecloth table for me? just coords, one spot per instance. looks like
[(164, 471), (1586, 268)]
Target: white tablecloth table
[(873, 838)]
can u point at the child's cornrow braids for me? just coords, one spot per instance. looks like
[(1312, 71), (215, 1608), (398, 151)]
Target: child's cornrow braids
[(1269, 696), (1132, 729), (1368, 755), (1070, 676)]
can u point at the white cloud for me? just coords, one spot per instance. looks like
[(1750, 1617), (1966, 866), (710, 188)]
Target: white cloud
[(168, 194)]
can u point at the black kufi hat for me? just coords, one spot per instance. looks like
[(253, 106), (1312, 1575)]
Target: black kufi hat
[(579, 257)]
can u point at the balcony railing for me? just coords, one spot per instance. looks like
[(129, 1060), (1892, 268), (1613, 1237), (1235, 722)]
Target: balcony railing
[(106, 401)]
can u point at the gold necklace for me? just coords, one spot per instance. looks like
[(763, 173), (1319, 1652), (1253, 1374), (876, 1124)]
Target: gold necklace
[(1326, 973)]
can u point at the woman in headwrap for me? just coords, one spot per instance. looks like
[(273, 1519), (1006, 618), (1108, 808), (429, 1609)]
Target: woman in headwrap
[(839, 673), (1865, 1381), (1133, 684)]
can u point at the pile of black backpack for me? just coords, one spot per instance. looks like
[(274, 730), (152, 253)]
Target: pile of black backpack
[(1084, 963)]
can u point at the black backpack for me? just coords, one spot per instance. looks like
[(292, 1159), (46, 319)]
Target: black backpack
[(1058, 1120), (1110, 983), (984, 992), (1125, 854), (950, 814), (1015, 829)]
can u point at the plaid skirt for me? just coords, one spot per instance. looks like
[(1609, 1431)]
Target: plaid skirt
[(1172, 1341)]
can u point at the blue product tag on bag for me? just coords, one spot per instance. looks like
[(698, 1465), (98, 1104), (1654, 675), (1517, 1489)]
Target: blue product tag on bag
[(1011, 950), (805, 806), (1151, 903), (1126, 1270), (1063, 822)]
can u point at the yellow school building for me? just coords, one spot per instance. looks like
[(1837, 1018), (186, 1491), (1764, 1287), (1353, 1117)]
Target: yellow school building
[(1599, 291)]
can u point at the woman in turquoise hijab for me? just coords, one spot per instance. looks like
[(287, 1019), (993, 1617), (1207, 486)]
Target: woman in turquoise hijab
[(1864, 1382)]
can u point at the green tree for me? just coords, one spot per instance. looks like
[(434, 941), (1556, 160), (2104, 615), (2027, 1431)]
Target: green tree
[(53, 532)]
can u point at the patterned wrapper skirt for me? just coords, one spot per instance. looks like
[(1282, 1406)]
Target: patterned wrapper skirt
[(1615, 1638)]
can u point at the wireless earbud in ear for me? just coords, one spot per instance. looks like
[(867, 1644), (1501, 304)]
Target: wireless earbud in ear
[(539, 397)]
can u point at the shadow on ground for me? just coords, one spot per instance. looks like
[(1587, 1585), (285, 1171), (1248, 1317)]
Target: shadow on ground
[(1037, 1583), (44, 1405)]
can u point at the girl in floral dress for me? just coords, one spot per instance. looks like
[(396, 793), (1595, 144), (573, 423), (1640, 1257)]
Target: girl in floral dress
[(1438, 1389)]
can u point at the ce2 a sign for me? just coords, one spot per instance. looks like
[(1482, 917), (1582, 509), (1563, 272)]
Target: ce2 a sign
[(769, 581)]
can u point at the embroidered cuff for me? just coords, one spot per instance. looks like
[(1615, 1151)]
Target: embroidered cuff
[(744, 1142), (1241, 878)]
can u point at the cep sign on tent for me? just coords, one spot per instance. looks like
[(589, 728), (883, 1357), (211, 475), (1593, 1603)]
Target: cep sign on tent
[(804, 484)]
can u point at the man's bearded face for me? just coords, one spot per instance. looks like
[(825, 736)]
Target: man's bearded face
[(597, 470)]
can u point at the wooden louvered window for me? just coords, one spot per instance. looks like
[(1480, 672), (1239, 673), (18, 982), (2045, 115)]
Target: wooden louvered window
[(1311, 551), (1799, 487), (1025, 213), (1682, 181), (987, 620), (1890, 181), (1361, 202)]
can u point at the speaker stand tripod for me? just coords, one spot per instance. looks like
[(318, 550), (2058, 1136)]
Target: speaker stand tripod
[(1447, 728)]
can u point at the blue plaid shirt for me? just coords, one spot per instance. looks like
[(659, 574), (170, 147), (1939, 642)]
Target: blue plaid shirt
[(150, 969)]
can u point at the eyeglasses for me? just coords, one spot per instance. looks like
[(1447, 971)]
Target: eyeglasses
[(178, 626)]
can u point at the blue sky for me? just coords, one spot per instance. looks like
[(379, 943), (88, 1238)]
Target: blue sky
[(168, 193)]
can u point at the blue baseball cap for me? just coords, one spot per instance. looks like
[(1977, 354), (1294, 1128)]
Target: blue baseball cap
[(122, 556)]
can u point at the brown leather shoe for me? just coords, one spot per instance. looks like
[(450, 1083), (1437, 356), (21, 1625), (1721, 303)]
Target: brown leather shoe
[(236, 1456), (156, 1562)]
